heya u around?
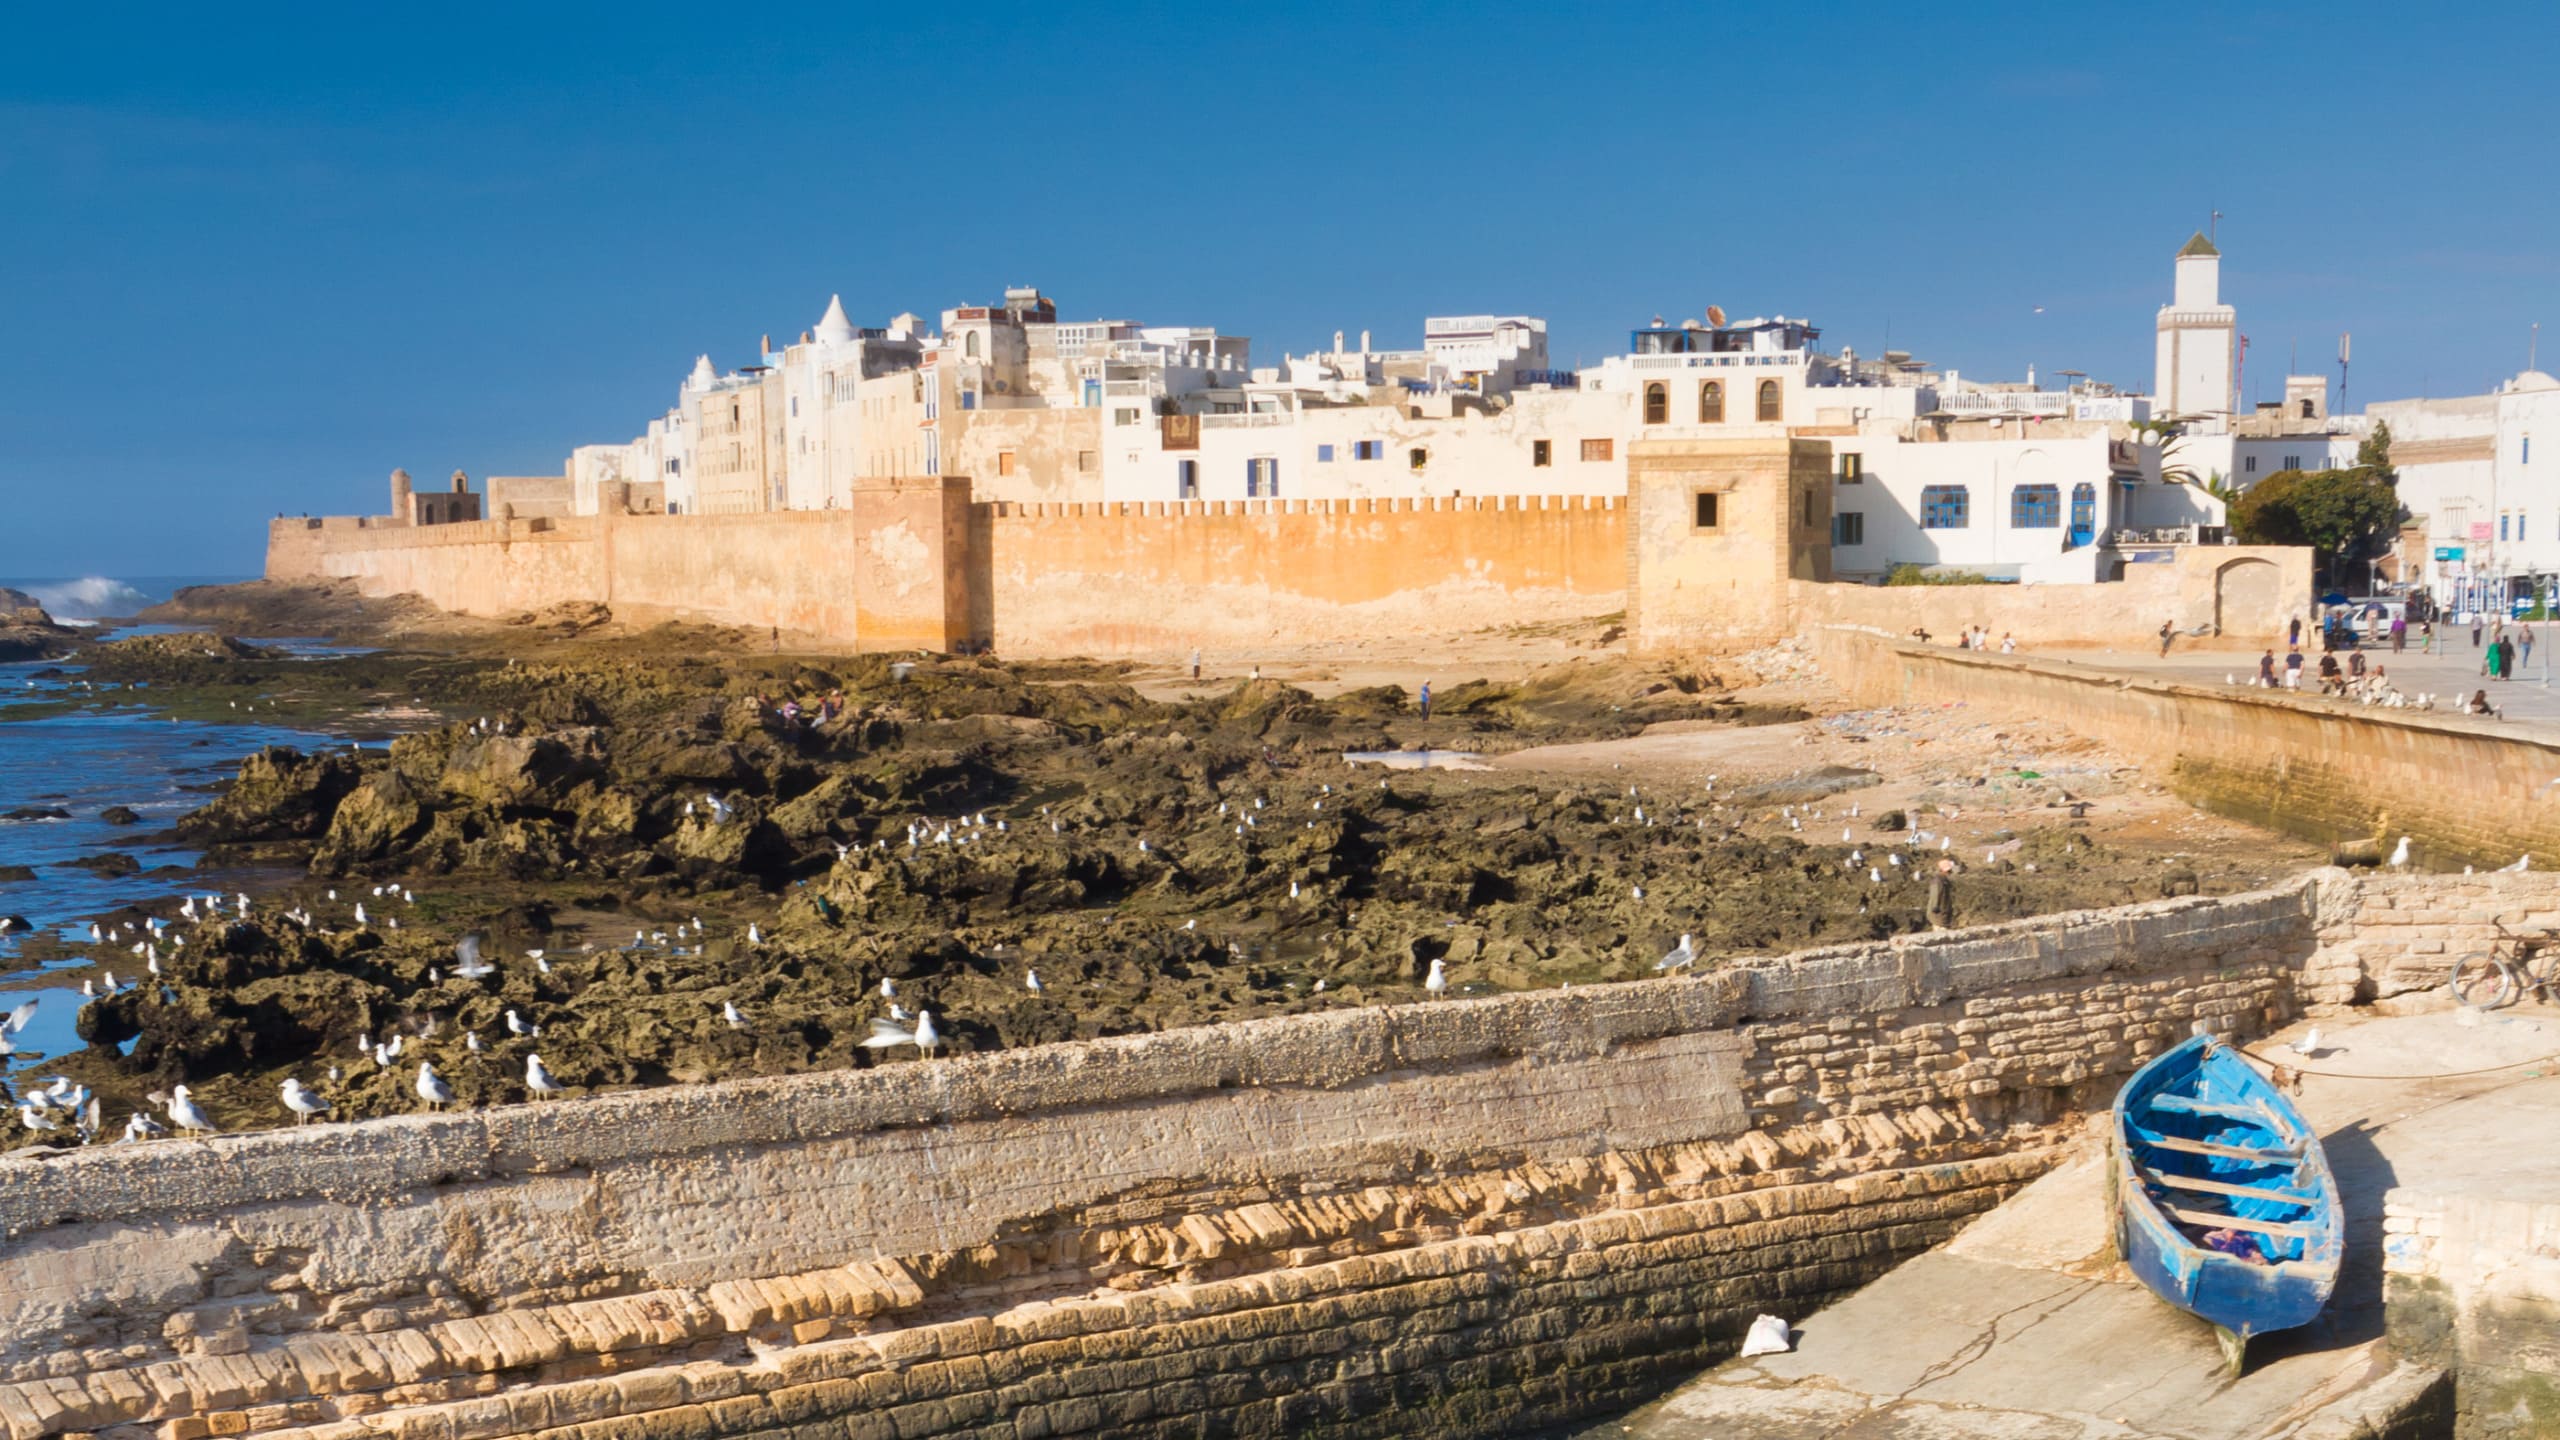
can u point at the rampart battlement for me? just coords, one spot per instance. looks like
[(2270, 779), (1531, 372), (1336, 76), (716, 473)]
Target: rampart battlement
[(1397, 505)]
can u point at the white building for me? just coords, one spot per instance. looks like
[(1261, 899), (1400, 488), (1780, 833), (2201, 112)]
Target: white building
[(2197, 349), (2486, 498)]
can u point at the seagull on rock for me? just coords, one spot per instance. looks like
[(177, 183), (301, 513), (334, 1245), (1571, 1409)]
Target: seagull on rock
[(303, 1101), (729, 1012), (1684, 953), (522, 1028), (885, 1033), (1437, 982), (538, 1078), (432, 1087), (187, 1115), (2400, 854)]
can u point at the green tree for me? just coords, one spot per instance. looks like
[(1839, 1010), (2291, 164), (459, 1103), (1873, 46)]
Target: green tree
[(2335, 512), (2374, 452), (1910, 574)]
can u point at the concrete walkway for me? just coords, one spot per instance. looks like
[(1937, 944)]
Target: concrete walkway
[(2023, 1327), (2531, 699)]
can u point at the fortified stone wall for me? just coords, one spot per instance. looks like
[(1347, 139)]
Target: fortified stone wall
[(2468, 790), (1162, 577), (1450, 1219)]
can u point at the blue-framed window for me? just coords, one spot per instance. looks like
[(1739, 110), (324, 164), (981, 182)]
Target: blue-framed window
[(1368, 449), (2035, 507), (1186, 478), (1324, 454), (2502, 527), (1848, 527), (1261, 478), (1945, 507), (968, 399)]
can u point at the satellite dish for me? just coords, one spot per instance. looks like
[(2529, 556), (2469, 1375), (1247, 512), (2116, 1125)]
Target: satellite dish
[(1715, 316)]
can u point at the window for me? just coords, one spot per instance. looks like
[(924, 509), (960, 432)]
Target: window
[(1093, 394), (1324, 454), (1768, 399), (2249, 466), (971, 345), (1368, 449), (2520, 525), (2084, 513), (2035, 507), (733, 414), (1657, 403), (1541, 453), (1707, 508), (2527, 457), (2293, 462), (1848, 528), (968, 399), (1944, 507), (1261, 477), (1186, 478), (795, 405), (1004, 462), (1853, 468), (1085, 462), (1597, 449), (2502, 525), (2306, 409), (1808, 508), (1711, 403), (1124, 417), (1417, 457)]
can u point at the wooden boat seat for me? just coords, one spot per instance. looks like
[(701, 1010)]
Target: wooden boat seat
[(2181, 1105), (2229, 1152), (2212, 1221), (2217, 1187)]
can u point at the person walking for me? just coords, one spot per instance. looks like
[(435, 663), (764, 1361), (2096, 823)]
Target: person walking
[(2524, 643), (2009, 643), (2267, 668), (2293, 634), (2399, 633), (1426, 699), (2505, 650), (2166, 630), (1195, 662), (2293, 668), (2478, 620)]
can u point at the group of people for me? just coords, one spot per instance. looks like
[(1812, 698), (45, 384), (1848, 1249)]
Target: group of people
[(2503, 652), (792, 718), (1972, 637)]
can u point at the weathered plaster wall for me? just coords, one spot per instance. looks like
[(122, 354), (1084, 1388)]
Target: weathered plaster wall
[(1729, 585), (2470, 791), (2472, 1282), (1464, 1218), (1164, 577)]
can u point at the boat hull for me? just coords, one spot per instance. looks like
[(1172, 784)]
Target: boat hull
[(2206, 1151)]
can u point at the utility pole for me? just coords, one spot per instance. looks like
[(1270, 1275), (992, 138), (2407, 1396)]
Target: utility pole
[(2345, 344)]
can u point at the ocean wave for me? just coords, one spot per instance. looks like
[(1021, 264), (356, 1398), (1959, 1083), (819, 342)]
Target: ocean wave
[(88, 598)]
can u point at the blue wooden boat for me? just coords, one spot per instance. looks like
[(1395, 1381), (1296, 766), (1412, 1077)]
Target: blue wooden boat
[(2222, 1200)]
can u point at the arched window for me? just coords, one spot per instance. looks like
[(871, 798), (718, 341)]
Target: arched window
[(1657, 403), (2084, 513), (970, 346), (2306, 409), (1711, 403), (1768, 399)]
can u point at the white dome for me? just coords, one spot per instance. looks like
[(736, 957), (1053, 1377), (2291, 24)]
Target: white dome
[(833, 327), (2532, 380)]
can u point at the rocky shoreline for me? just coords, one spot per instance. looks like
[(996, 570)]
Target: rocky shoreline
[(654, 833)]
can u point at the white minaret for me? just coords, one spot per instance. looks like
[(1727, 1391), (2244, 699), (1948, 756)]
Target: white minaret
[(2197, 337)]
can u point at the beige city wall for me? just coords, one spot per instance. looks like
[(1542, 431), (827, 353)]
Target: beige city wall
[(1163, 577), (2468, 791), (1450, 1219)]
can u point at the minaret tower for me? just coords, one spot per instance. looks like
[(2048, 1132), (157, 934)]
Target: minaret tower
[(2198, 332)]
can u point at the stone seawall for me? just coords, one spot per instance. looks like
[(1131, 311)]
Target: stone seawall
[(2472, 1283), (1453, 1219), (2470, 791)]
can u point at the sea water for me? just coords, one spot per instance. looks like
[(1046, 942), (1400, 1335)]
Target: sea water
[(108, 751)]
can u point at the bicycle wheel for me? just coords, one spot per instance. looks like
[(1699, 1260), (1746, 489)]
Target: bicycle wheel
[(2539, 975), (2482, 982)]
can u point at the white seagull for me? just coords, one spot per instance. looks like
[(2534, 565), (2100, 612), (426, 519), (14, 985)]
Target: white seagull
[(303, 1101), (520, 1027), (538, 1079), (432, 1087), (729, 1012), (1681, 954), (186, 1114), (2400, 854), (885, 1033), (1437, 982)]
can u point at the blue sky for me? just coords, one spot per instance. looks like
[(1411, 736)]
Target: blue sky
[(255, 257)]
